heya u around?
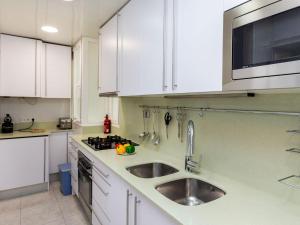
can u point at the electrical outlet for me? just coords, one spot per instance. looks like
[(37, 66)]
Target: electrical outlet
[(26, 120)]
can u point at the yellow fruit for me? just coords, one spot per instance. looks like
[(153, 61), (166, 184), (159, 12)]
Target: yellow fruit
[(121, 149)]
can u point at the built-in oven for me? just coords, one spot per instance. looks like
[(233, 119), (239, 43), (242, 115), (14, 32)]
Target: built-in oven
[(262, 45), (85, 183)]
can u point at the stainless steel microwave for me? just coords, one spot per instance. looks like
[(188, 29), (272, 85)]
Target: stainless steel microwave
[(262, 45)]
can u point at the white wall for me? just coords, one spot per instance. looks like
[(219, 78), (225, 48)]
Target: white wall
[(43, 110)]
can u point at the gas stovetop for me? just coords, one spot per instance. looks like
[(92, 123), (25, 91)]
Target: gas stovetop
[(107, 143)]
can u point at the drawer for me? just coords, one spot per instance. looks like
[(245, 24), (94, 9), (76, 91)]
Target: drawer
[(74, 186), (74, 173), (73, 159), (102, 170), (99, 217), (101, 192)]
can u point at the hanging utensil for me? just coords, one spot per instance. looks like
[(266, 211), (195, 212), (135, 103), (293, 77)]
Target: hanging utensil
[(168, 119), (145, 116)]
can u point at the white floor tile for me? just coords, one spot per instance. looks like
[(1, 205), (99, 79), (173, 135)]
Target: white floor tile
[(10, 205), (10, 218), (46, 208)]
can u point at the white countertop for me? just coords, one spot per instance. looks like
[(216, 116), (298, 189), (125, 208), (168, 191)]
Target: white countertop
[(241, 205), (26, 134)]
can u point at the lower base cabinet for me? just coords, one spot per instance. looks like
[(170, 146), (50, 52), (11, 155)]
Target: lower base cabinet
[(73, 160), (23, 162), (117, 203), (58, 150)]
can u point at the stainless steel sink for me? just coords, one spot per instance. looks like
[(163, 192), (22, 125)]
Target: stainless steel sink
[(151, 170), (190, 191)]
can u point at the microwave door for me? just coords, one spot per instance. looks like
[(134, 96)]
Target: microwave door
[(266, 42)]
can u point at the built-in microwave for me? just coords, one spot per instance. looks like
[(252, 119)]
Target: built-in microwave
[(262, 45)]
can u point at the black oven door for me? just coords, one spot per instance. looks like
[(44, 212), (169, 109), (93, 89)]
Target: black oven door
[(85, 188)]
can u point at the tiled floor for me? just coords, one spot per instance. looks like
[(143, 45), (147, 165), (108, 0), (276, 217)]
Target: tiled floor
[(47, 208)]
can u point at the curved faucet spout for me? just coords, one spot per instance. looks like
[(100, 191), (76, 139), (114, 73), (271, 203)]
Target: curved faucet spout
[(190, 139)]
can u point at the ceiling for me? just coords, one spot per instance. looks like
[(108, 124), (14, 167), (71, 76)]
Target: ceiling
[(73, 19)]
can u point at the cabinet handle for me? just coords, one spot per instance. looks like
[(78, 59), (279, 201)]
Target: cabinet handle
[(118, 46), (97, 217), (45, 142), (105, 193), (101, 173), (127, 206), (174, 47), (136, 202), (46, 89), (36, 62)]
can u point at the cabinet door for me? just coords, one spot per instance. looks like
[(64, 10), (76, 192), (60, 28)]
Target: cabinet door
[(18, 72), (57, 79), (146, 213), (197, 50), (108, 53), (77, 78), (58, 147), (228, 4), (109, 192), (22, 162), (141, 33)]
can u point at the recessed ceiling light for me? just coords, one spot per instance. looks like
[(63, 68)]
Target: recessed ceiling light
[(49, 29), (68, 0)]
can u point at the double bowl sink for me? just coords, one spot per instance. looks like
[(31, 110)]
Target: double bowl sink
[(186, 191)]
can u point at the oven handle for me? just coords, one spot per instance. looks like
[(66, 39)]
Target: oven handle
[(84, 167)]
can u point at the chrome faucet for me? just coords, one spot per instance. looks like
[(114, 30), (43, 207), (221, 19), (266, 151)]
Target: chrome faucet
[(190, 165)]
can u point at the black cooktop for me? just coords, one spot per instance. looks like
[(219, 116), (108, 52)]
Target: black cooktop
[(107, 143)]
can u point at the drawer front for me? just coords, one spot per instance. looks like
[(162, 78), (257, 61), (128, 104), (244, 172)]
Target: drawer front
[(102, 192), (73, 160), (75, 186), (74, 174), (95, 220), (99, 216), (103, 170)]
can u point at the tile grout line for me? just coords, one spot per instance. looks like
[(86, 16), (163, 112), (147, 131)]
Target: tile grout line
[(20, 211), (60, 207)]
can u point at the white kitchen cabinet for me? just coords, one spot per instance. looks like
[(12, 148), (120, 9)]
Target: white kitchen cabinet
[(141, 48), (23, 162), (229, 4), (108, 57), (109, 194), (197, 46), (19, 66), (143, 212), (58, 148), (170, 47), (56, 75), (88, 108), (117, 203)]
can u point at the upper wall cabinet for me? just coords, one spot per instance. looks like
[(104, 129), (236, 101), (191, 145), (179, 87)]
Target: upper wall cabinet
[(197, 46), (56, 75), (88, 108), (19, 66), (141, 48), (108, 54), (229, 4), (31, 68), (170, 47)]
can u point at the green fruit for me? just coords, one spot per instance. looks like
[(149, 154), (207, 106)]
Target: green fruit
[(130, 149)]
